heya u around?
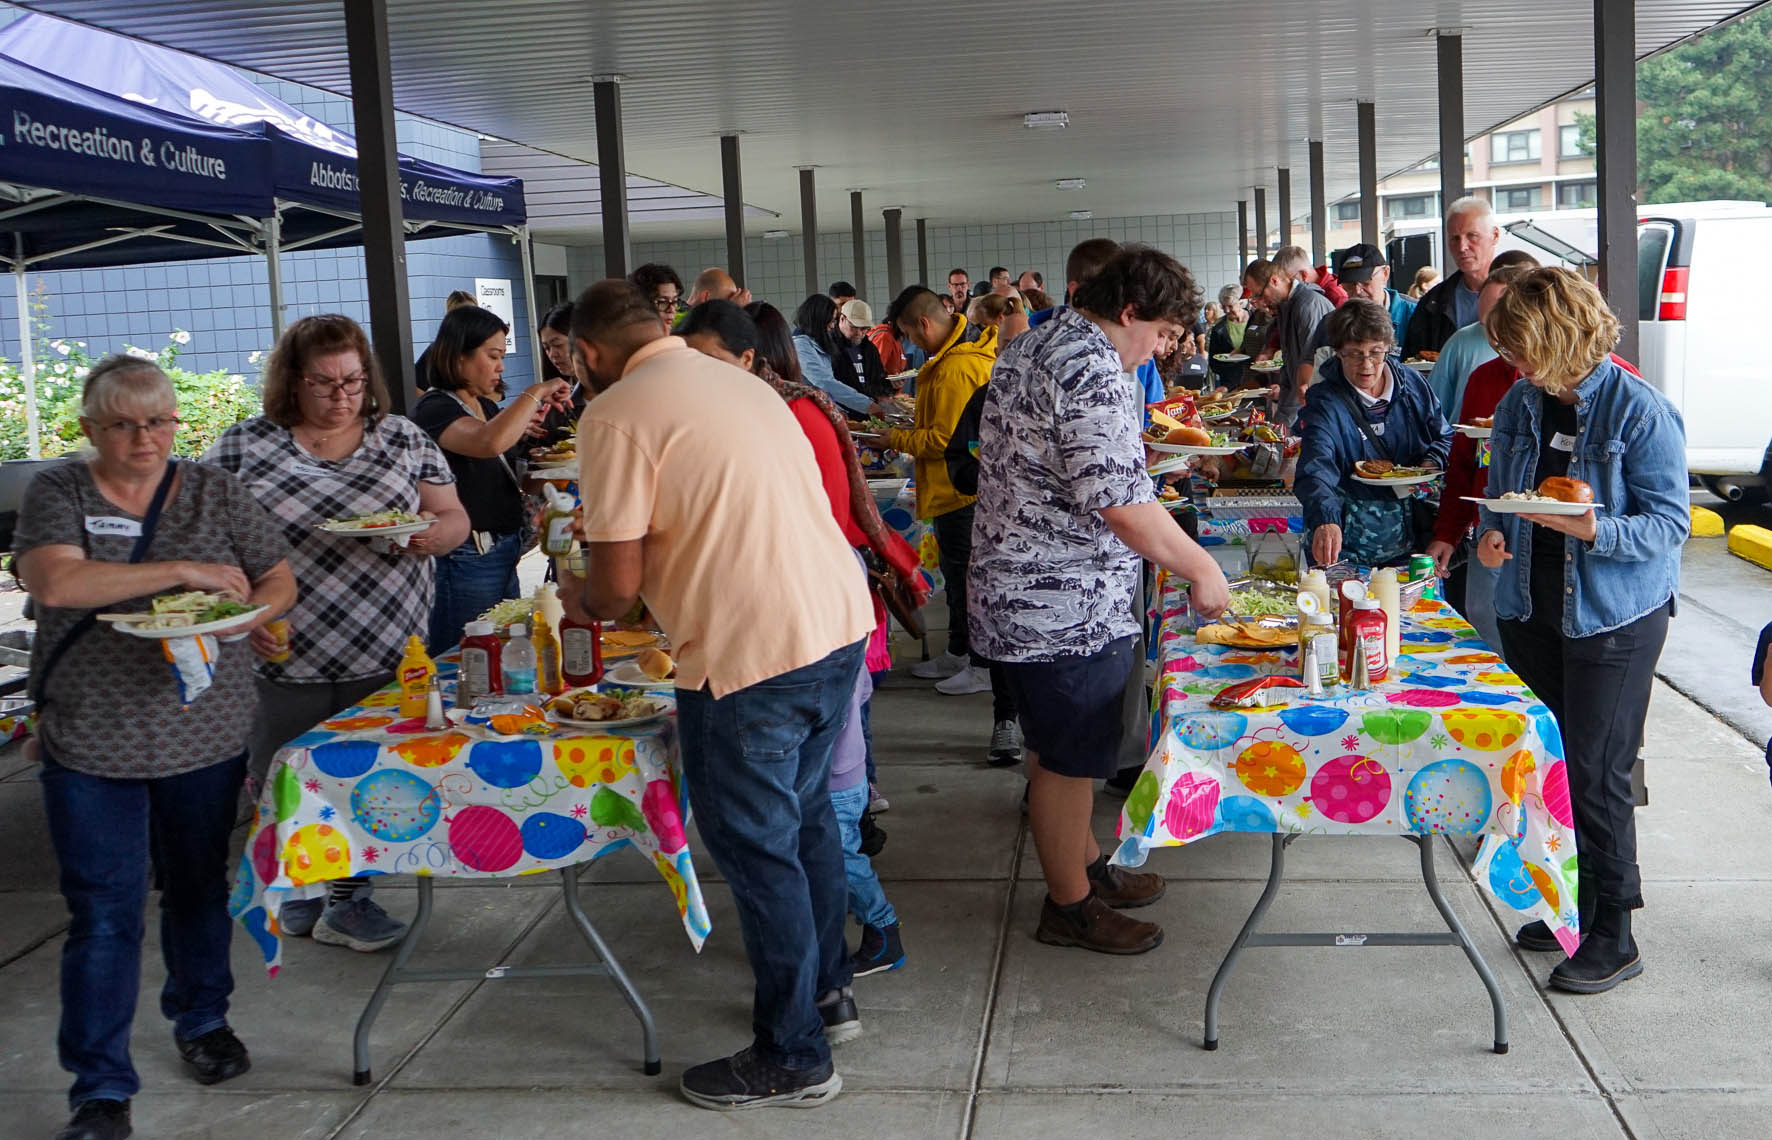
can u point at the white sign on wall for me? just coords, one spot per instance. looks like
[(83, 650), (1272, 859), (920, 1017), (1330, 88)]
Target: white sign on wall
[(494, 294)]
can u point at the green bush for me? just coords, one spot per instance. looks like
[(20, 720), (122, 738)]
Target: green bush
[(208, 402)]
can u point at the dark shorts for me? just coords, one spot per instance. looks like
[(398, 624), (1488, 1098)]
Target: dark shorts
[(1072, 709)]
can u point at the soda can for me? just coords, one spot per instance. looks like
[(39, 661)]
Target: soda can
[(279, 629), (1421, 569)]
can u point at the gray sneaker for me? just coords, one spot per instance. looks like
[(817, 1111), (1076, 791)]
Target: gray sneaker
[(296, 919), (1005, 745), (360, 924)]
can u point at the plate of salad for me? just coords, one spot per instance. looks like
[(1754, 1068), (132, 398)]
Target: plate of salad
[(190, 614), (378, 524)]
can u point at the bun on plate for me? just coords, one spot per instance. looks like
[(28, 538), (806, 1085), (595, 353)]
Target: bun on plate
[(1196, 437), (1566, 490), (1483, 421), (1373, 468), (655, 663)]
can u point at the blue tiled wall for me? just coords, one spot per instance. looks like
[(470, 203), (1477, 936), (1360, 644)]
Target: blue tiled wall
[(225, 303)]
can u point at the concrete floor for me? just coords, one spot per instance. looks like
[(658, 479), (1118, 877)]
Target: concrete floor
[(987, 1033)]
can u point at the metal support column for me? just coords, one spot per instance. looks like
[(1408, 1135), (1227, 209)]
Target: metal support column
[(1242, 234), (894, 253), (1285, 201), (922, 251), (1261, 221), (732, 189), (274, 269), (378, 184), (27, 365), (1451, 52), (1368, 113), (1615, 96), (533, 320), (809, 229), (612, 175), (1319, 207), (859, 242)]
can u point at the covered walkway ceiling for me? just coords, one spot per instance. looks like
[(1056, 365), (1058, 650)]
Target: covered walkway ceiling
[(1175, 105)]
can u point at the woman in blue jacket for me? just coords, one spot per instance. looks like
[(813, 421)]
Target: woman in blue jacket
[(1403, 423), (1583, 600)]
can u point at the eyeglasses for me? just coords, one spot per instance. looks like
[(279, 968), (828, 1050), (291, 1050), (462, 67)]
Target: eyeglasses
[(665, 304), (1357, 358), (1504, 353), (159, 425), (326, 386)]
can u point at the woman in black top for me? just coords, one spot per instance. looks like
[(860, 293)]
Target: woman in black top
[(484, 446)]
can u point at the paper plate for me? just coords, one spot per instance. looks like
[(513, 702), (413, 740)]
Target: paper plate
[(1405, 481), (1525, 507), (1474, 431), (669, 708), (209, 627), (1231, 358), (1195, 448), (627, 675), (399, 530)]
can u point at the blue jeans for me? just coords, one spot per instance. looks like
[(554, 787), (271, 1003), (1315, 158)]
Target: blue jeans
[(867, 902), (470, 583), (758, 765), (105, 832)]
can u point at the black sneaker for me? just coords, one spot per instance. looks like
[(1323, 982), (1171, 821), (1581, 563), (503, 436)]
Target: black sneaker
[(880, 951), (215, 1056), (842, 1021), (97, 1120), (873, 836), (745, 1080)]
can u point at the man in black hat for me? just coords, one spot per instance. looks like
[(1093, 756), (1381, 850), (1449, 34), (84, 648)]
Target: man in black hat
[(1367, 275)]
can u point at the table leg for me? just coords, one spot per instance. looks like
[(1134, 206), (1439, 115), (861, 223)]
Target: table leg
[(1275, 872), (1432, 881), (360, 1074), (649, 1032)]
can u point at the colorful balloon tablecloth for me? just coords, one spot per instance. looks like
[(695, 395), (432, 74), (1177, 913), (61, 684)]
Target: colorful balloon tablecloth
[(1455, 744), (16, 727), (353, 797)]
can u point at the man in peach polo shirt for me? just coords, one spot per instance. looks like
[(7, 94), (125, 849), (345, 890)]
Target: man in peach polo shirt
[(701, 496)]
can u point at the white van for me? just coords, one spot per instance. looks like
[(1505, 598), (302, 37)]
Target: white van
[(1699, 301)]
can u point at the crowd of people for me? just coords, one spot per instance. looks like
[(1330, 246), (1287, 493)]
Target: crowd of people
[(750, 532)]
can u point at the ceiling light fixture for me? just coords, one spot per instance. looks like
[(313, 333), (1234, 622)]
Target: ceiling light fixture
[(1082, 215), (1071, 183), (1046, 120), (773, 234)]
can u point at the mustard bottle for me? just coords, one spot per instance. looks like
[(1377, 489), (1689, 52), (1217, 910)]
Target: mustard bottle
[(414, 675)]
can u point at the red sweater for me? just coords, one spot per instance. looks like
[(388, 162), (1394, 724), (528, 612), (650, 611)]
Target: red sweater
[(1488, 383), (833, 471)]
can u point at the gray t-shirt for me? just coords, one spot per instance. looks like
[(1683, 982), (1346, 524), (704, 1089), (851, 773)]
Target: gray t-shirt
[(1464, 303), (112, 705), (1299, 318)]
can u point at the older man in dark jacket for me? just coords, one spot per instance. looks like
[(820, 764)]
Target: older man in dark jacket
[(1471, 237), (1365, 406)]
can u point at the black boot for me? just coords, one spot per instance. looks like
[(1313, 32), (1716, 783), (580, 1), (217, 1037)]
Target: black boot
[(1608, 955), (1536, 935)]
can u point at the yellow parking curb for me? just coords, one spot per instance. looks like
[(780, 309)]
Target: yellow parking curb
[(1706, 523), (1753, 543)]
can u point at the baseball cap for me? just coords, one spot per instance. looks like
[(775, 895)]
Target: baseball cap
[(858, 313), (1356, 263)]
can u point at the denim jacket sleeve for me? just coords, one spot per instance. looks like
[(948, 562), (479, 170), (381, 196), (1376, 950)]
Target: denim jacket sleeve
[(1659, 515), (816, 367)]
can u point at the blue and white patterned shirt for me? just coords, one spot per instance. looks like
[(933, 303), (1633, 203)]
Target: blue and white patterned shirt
[(1058, 443)]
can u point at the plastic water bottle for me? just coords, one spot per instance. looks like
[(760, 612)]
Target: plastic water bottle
[(518, 661)]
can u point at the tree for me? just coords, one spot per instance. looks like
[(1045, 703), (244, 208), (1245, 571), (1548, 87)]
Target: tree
[(1704, 118)]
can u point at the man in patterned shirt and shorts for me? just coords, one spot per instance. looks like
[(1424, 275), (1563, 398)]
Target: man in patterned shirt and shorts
[(1065, 512)]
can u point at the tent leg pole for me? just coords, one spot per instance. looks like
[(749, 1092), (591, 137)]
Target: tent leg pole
[(27, 368), (534, 320), (274, 272)]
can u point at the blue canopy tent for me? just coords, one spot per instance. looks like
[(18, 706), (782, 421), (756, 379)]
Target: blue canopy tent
[(299, 174)]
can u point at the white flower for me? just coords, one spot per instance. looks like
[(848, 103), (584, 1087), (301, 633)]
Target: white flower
[(180, 336), (255, 357), (139, 353), (61, 367), (80, 371), (60, 346), (236, 378)]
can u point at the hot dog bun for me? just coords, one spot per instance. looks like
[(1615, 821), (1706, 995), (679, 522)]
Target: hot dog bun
[(1193, 436), (655, 663), (1566, 490)]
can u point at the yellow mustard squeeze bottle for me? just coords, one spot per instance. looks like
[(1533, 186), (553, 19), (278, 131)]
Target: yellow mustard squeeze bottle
[(414, 674)]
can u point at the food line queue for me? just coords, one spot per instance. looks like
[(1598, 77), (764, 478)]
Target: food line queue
[(1028, 434)]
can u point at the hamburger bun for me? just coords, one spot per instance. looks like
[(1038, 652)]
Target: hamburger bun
[(1373, 468), (1566, 490), (655, 663), (1193, 436)]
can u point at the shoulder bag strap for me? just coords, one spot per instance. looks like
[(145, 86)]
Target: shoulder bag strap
[(1359, 414), (150, 522)]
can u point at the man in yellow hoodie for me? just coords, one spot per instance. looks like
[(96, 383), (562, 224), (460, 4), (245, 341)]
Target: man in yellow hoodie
[(960, 360)]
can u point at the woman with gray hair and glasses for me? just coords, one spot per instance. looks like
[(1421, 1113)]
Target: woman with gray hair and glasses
[(136, 770)]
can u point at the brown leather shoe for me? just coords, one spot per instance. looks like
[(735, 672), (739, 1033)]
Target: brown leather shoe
[(1127, 890), (1102, 929)]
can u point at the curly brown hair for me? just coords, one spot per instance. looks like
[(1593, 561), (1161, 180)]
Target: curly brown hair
[(1158, 287), (1555, 321), (300, 344)]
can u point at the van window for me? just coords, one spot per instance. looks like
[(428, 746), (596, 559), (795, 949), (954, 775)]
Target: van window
[(1652, 243)]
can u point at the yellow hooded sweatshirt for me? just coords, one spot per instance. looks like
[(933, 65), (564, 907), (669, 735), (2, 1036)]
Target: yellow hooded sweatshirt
[(944, 385)]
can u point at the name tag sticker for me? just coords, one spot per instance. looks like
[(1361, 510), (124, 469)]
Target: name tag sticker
[(1561, 442), (311, 470), (113, 526)]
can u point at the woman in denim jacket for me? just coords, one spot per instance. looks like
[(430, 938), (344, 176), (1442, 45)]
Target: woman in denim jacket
[(1583, 600)]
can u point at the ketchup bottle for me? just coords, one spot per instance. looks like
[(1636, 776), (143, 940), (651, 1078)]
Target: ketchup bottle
[(480, 673), (581, 651)]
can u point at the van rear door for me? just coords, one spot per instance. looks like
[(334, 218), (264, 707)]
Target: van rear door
[(1664, 253)]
